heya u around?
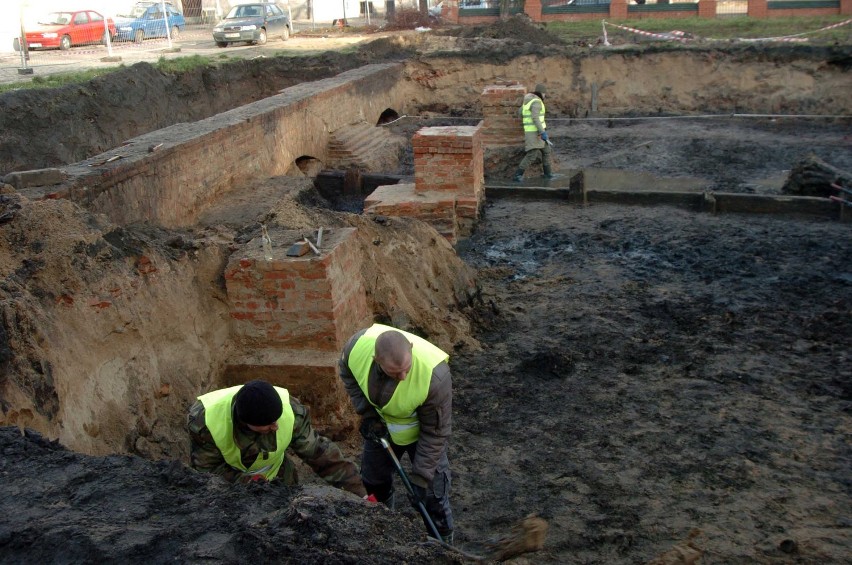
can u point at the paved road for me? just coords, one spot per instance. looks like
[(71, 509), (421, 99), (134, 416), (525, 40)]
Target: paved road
[(192, 41)]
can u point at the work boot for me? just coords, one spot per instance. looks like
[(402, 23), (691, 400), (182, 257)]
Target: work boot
[(519, 176), (447, 538), (548, 172), (390, 501)]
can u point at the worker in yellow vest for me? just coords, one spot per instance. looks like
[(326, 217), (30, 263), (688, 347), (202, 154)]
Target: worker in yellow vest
[(401, 386), (536, 143), (242, 433)]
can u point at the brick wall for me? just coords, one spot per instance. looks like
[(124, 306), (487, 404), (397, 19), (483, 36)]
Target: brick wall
[(195, 163), (621, 9), (800, 12)]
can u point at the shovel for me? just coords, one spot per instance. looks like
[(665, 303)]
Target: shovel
[(420, 506), (528, 535)]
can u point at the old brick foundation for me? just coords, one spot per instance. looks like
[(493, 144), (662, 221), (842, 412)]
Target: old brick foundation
[(291, 316), (447, 192)]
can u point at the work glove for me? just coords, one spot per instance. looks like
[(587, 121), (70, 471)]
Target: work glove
[(418, 485), (372, 428), (246, 478), (544, 136)]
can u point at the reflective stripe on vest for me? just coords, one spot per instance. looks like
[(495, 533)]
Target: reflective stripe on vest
[(529, 124), (219, 420), (400, 413)]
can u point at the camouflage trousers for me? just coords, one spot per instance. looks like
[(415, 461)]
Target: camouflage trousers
[(534, 155)]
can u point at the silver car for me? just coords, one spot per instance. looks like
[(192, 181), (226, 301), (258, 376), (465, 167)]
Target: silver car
[(253, 23)]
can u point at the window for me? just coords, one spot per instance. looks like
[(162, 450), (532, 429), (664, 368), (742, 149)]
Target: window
[(95, 17), (81, 18)]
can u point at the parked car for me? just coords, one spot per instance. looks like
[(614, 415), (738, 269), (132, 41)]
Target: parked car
[(64, 29), (253, 23), (146, 20)]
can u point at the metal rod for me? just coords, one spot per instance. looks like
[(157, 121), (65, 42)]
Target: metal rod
[(838, 187), (312, 246)]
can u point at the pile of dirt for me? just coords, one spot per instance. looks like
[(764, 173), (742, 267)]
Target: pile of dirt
[(814, 177), (517, 28), (60, 506)]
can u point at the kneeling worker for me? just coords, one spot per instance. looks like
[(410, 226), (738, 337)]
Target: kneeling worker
[(242, 433)]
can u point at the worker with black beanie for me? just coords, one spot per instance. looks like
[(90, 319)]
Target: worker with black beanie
[(242, 433)]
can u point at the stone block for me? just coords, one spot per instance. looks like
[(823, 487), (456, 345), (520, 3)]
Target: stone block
[(37, 177)]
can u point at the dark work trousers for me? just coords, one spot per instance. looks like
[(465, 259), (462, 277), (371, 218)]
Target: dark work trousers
[(377, 471)]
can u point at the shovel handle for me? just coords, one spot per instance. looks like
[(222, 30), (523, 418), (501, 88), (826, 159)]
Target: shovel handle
[(402, 475)]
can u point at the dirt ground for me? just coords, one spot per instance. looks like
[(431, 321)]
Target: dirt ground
[(649, 371), (661, 386)]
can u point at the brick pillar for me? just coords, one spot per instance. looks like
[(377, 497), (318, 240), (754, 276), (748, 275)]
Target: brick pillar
[(502, 124), (618, 9), (450, 11), (846, 7), (706, 8), (449, 158), (532, 8), (309, 302), (290, 318), (757, 9)]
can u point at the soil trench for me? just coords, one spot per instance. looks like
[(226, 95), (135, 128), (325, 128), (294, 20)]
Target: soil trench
[(656, 384)]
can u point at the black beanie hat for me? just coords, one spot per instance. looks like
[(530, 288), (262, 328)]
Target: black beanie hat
[(258, 404)]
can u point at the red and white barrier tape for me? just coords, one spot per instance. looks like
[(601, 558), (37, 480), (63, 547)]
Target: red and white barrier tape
[(681, 36), (672, 35), (794, 37)]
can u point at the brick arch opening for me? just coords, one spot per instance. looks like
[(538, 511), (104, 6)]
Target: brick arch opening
[(309, 166), (388, 116)]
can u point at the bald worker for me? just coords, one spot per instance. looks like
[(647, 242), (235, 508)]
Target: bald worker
[(401, 386)]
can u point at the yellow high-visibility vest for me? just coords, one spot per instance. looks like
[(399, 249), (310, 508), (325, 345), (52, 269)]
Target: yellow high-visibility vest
[(529, 124), (400, 413), (219, 420)]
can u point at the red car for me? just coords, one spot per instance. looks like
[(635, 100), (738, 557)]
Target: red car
[(64, 29)]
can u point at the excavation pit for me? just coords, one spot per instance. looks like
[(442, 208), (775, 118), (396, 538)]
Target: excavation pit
[(630, 372)]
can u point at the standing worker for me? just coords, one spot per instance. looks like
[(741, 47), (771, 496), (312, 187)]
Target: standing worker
[(242, 433), (401, 385), (536, 143)]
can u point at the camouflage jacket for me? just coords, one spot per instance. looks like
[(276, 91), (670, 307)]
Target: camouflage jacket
[(318, 452)]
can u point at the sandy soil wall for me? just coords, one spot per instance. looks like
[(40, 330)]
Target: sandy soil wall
[(617, 82), (106, 333)]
